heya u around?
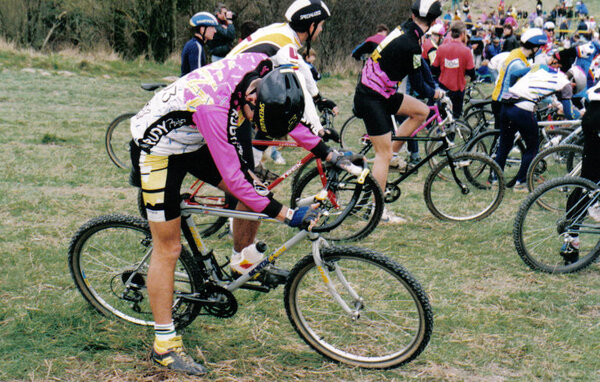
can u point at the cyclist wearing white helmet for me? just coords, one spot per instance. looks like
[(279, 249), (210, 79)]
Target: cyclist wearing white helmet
[(517, 91), (193, 55), (376, 97), (305, 19), (549, 27), (531, 42)]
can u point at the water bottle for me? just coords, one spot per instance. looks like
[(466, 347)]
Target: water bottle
[(248, 258)]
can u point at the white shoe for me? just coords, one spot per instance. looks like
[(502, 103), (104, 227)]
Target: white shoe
[(520, 187), (594, 212), (390, 218), (277, 157), (398, 163)]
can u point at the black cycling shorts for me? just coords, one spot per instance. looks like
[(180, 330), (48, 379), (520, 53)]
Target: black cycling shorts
[(162, 177), (376, 110)]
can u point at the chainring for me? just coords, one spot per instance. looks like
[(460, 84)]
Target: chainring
[(392, 193), (221, 302)]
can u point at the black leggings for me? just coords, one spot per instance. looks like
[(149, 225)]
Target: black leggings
[(510, 120), (591, 153)]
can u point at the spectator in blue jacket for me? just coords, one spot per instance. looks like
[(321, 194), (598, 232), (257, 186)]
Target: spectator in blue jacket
[(193, 55)]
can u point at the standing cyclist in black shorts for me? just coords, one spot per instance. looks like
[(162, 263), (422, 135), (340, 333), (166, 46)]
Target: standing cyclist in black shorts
[(377, 96)]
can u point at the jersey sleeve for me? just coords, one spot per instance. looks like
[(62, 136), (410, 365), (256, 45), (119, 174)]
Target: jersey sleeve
[(211, 121)]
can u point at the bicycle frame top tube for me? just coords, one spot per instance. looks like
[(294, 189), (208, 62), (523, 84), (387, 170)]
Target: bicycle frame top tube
[(291, 170), (436, 116), (196, 244)]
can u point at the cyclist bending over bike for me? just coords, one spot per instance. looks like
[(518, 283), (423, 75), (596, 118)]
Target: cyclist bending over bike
[(523, 88), (377, 96), (191, 126)]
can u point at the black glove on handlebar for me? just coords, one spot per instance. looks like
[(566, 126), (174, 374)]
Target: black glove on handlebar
[(330, 135), (323, 103)]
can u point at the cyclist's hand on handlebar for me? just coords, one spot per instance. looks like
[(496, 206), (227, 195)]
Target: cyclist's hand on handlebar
[(324, 103), (439, 94), (330, 134), (305, 217)]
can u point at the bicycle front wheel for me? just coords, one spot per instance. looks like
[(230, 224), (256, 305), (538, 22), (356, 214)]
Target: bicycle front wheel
[(554, 162), (109, 258), (366, 201), (117, 139), (539, 233), (391, 319), (459, 134), (469, 189)]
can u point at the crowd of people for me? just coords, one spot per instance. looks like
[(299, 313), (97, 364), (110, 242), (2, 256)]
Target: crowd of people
[(204, 122)]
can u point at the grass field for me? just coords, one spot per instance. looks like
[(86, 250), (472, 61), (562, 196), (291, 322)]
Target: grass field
[(495, 319)]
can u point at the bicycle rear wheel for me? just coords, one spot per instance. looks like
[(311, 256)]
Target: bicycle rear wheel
[(554, 162), (109, 258), (480, 120), (117, 139), (366, 201), (487, 143), (393, 320), (353, 137), (539, 233), (474, 194)]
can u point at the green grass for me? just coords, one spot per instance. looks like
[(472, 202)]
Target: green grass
[(494, 318)]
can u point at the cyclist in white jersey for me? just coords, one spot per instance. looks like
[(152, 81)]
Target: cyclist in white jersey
[(517, 113), (304, 23)]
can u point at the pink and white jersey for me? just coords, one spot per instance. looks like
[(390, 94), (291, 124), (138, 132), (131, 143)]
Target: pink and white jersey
[(203, 107)]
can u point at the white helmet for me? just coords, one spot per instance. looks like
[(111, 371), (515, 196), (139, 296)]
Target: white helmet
[(301, 14), (549, 26), (534, 37)]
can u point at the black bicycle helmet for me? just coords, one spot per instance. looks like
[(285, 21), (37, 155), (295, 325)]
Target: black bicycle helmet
[(427, 9), (280, 102), (303, 13)]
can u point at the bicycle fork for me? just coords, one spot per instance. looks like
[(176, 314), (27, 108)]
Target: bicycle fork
[(357, 301), (453, 166)]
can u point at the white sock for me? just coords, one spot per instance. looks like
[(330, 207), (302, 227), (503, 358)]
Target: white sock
[(257, 154), (164, 332)]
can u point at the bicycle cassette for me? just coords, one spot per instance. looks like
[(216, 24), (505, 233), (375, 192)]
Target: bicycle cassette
[(217, 301)]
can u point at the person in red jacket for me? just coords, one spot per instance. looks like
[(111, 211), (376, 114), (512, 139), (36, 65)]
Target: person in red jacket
[(453, 61)]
